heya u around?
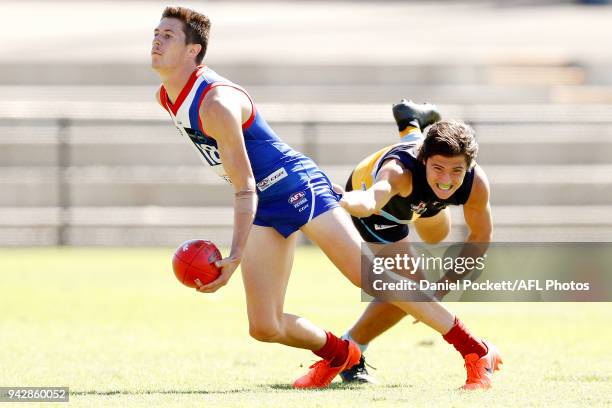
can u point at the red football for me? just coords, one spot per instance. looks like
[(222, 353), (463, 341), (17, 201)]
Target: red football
[(195, 259)]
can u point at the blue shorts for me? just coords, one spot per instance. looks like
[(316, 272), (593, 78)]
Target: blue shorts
[(301, 194)]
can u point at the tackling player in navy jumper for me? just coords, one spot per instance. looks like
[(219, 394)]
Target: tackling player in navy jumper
[(413, 183)]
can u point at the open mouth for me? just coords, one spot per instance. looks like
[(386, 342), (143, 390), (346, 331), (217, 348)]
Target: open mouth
[(444, 187)]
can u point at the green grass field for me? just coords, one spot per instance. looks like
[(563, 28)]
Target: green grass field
[(118, 329)]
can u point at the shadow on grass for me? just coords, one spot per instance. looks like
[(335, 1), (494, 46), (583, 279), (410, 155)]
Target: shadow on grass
[(333, 386), (289, 387)]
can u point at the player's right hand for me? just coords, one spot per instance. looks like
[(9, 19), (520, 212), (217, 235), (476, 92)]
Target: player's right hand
[(358, 203), (228, 267)]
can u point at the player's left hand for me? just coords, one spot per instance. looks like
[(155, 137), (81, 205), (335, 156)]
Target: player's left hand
[(228, 266)]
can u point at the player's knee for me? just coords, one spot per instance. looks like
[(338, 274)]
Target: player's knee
[(355, 280), (267, 332)]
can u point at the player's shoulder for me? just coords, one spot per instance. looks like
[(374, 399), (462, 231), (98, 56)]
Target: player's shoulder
[(480, 177), (392, 166), (396, 174), (224, 97), (481, 189)]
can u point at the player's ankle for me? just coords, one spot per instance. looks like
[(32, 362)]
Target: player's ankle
[(362, 346)]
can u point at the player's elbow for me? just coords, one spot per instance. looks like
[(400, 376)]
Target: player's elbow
[(481, 236)]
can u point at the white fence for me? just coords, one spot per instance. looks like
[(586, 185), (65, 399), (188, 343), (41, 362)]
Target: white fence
[(113, 174)]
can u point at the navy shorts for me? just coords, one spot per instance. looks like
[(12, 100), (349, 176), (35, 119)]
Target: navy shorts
[(301, 195)]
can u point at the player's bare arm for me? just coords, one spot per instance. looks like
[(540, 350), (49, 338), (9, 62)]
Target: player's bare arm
[(223, 111), (477, 209), (392, 179), (477, 214)]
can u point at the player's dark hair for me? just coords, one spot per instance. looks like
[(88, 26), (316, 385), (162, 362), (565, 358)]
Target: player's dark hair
[(449, 138), (196, 27)]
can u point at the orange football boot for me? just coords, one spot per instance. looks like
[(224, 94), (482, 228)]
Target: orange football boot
[(480, 369), (321, 373)]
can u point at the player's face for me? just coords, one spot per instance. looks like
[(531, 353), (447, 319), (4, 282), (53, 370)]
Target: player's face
[(445, 174), (169, 49)]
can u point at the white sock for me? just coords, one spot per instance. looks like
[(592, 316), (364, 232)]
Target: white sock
[(347, 336)]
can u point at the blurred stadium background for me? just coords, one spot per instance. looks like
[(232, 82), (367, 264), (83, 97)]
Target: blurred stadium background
[(87, 158)]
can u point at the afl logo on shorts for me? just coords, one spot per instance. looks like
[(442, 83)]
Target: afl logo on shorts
[(297, 199)]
